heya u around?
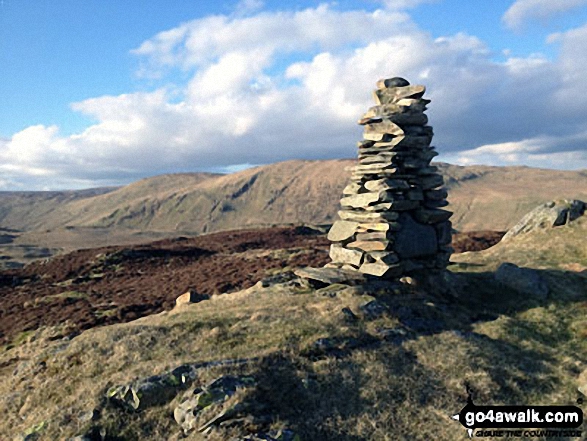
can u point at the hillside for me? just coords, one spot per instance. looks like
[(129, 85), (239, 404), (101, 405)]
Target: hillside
[(285, 360), (482, 197), (294, 192)]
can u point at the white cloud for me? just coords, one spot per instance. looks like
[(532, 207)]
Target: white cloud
[(279, 85), (245, 7), (405, 4), (522, 10), (533, 152)]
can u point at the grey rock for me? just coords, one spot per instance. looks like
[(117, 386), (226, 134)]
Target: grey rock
[(386, 184), (392, 82), (415, 239), (278, 279), (377, 235), (436, 195), (351, 189), (189, 297), (382, 226), (373, 309), (548, 215), (369, 245), (160, 389), (524, 280), (381, 269), (342, 230), (365, 199), (365, 217), (393, 95), (329, 276), (346, 255), (430, 182), (386, 257), (444, 232), (214, 393), (432, 215), (383, 126)]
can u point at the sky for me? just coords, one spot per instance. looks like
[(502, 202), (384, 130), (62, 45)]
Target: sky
[(106, 92)]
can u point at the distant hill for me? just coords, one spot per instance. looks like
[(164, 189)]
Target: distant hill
[(482, 198)]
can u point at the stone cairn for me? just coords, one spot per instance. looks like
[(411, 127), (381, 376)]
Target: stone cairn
[(391, 222)]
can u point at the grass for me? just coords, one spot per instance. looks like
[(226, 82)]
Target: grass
[(510, 349), (65, 295)]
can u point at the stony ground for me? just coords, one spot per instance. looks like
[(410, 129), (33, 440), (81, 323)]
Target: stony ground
[(109, 285)]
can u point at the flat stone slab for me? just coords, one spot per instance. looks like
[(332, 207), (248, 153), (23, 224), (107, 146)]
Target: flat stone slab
[(330, 276)]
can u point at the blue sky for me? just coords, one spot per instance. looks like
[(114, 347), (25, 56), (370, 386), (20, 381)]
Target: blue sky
[(105, 92)]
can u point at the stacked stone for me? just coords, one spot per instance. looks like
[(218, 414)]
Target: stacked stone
[(392, 222)]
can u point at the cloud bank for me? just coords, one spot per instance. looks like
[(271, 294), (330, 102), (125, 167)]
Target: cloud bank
[(271, 86), (523, 10)]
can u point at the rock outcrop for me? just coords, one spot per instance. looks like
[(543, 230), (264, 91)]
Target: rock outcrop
[(548, 215), (392, 221)]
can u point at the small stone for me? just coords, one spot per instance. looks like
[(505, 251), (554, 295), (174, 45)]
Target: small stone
[(381, 269), (364, 199), (373, 309), (345, 255), (365, 143), (392, 82), (393, 95), (367, 245), (377, 226), (381, 160), (435, 204), (190, 297), (342, 230), (432, 216), (379, 208), (352, 189), (329, 276), (378, 235), (365, 217), (387, 257), (436, 195), (430, 182), (386, 184), (384, 126)]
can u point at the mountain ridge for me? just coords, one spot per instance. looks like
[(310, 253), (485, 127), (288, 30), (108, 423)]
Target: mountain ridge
[(482, 198)]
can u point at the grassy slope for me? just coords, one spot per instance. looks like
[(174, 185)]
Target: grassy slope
[(516, 350)]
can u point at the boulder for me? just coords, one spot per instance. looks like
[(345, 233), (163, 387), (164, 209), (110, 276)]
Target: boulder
[(524, 280), (548, 215)]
